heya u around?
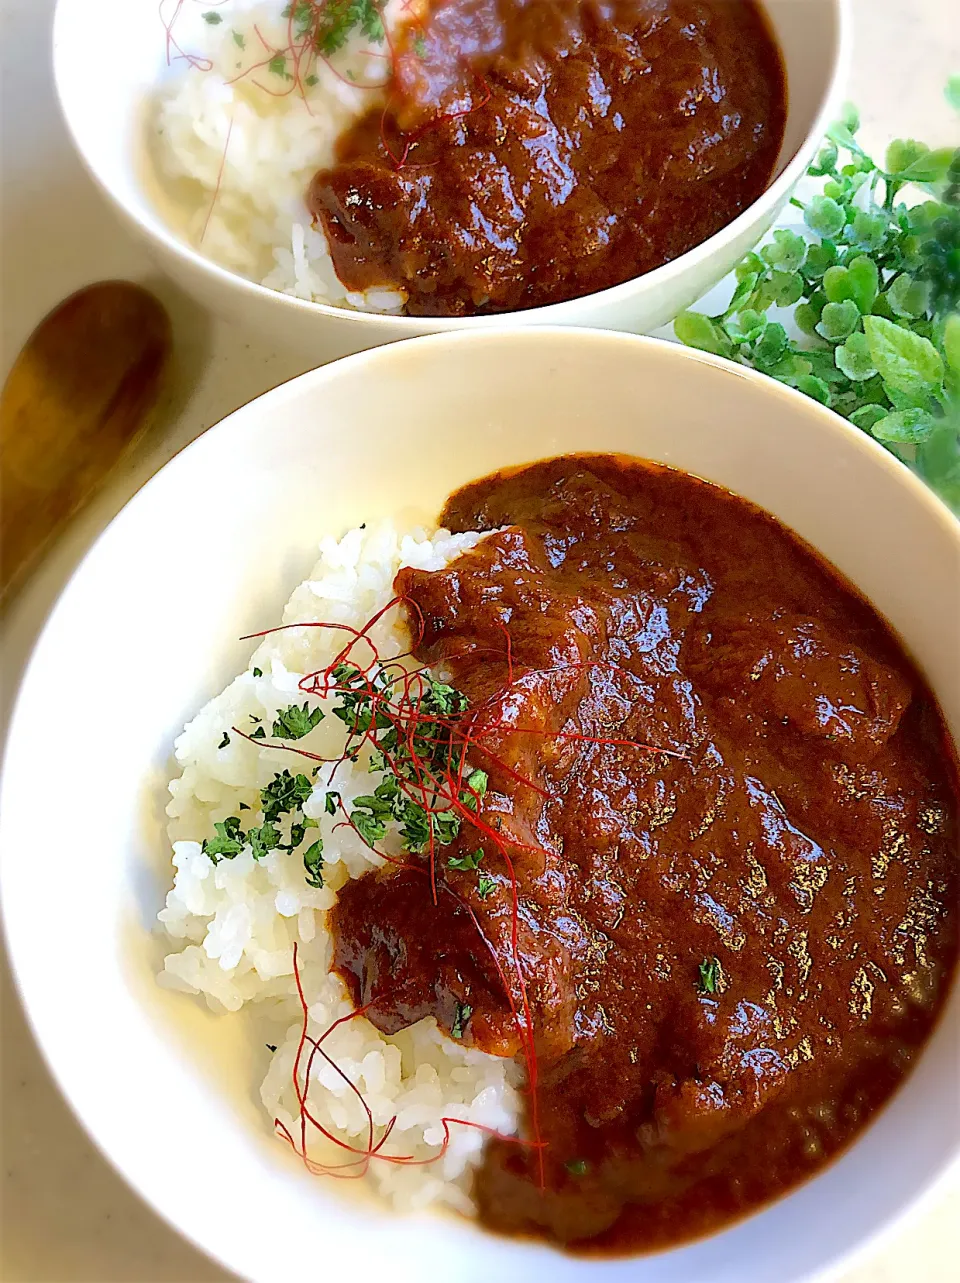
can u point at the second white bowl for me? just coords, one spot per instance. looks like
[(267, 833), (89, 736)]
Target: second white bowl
[(106, 116)]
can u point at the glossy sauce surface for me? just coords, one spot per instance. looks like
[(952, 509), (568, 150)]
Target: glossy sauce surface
[(532, 151), (710, 748)]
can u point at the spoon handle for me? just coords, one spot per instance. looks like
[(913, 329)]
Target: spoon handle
[(77, 396)]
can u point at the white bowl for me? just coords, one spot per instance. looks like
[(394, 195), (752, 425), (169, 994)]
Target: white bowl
[(146, 632), (108, 59)]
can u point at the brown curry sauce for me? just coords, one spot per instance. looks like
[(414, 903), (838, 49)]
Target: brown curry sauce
[(532, 151), (802, 832)]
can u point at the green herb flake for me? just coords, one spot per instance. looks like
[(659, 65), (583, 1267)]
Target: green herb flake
[(293, 723), (227, 843), (270, 1046), (466, 862), (241, 43), (225, 741), (212, 17), (486, 885), (463, 1014), (331, 802), (259, 734), (339, 19), (278, 64), (577, 1166), (710, 975), (313, 863), (258, 672)]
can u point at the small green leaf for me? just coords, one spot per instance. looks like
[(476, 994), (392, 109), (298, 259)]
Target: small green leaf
[(902, 153), (786, 288), (749, 326), (212, 17), (806, 318), (867, 416), (278, 64), (858, 283), (929, 168), (745, 287), (750, 265), (824, 216), (771, 346), (951, 335), (843, 137), (905, 360), (577, 1166), (238, 40), (258, 672), (850, 115), (853, 358), (839, 320), (868, 231), (813, 387), (819, 258), (905, 427), (699, 331), (863, 281), (826, 161), (907, 297), (786, 252)]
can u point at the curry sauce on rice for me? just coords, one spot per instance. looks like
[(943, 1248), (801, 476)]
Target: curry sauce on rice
[(460, 157), (593, 867)]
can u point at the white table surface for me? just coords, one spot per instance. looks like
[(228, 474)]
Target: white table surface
[(65, 1216)]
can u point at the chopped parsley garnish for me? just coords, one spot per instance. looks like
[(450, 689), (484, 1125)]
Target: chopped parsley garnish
[(212, 17), (293, 723), (225, 741), (464, 1012), (284, 793), (420, 45), (331, 802), (258, 672), (259, 734), (340, 18), (313, 863), (485, 885), (467, 862), (271, 1046), (282, 800), (577, 1166), (710, 974), (278, 66), (228, 841), (241, 43)]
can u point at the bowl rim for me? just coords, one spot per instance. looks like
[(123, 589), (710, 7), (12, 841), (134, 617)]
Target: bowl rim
[(59, 1066), (152, 225)]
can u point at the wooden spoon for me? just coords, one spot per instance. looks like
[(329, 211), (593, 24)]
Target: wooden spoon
[(78, 395)]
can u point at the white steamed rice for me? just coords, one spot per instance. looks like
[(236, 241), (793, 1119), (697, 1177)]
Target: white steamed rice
[(235, 159), (234, 925)]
